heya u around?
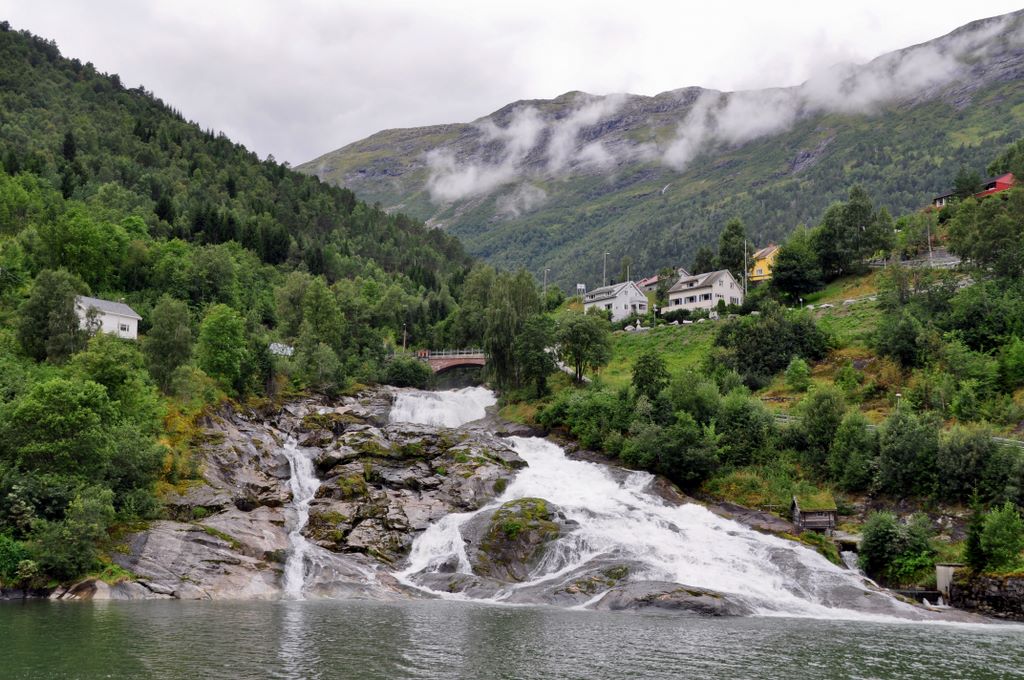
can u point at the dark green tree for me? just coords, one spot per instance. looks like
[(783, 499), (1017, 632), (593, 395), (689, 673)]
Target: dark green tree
[(48, 325), (221, 349), (650, 374), (584, 342), (908, 445), (168, 344), (534, 350), (796, 271), (967, 182), (733, 249), (703, 260), (821, 413)]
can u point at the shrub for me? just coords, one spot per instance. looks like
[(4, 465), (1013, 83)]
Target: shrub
[(908, 445), (820, 415), (798, 375), (853, 458), (407, 372), (12, 552), (745, 428), (894, 552), (1002, 538)]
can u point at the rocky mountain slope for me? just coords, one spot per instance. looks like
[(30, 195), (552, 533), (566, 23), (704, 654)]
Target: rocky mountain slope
[(556, 183)]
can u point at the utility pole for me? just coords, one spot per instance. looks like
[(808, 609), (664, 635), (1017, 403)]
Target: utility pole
[(404, 337), (604, 272), (744, 267), (546, 270)]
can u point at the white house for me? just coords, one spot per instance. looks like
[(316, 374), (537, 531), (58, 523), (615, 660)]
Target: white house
[(623, 299), (108, 317), (703, 291)]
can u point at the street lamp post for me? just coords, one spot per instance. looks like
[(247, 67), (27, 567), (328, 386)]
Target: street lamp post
[(604, 272), (404, 337)]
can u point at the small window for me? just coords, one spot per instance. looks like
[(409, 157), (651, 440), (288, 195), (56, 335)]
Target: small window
[(124, 328)]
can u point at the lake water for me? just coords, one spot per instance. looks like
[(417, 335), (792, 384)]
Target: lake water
[(444, 639)]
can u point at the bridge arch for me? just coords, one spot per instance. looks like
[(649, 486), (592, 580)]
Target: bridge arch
[(443, 360)]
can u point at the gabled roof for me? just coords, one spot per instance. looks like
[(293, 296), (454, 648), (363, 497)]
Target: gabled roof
[(606, 292), (766, 251), (106, 306), (699, 281), (650, 280)]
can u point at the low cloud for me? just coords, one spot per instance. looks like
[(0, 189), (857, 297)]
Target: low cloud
[(739, 117), (556, 140), (535, 146)]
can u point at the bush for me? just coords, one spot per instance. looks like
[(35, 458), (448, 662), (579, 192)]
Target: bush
[(758, 347), (697, 396), (820, 415), (12, 552), (798, 375), (1002, 538), (963, 455), (745, 428), (407, 372), (893, 552), (908, 446), (853, 458)]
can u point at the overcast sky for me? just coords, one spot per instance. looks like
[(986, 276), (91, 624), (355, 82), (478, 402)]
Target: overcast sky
[(299, 78)]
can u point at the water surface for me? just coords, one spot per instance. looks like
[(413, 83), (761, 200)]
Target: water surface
[(440, 639)]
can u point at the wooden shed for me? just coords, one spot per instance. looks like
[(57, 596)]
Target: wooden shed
[(814, 512)]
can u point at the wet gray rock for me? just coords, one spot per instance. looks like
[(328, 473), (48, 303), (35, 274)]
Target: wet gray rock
[(671, 596), (507, 543), (382, 484)]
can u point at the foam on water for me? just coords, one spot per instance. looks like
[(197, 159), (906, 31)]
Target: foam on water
[(448, 408), (620, 518)]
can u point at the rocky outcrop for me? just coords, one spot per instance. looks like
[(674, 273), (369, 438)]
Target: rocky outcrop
[(999, 596), (227, 534), (509, 542), (382, 486), (673, 597)]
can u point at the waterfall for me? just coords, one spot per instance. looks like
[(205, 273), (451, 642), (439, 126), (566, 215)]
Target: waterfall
[(304, 485), (449, 408), (618, 518)]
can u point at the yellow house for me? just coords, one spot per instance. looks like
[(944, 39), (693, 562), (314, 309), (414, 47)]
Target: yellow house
[(764, 260)]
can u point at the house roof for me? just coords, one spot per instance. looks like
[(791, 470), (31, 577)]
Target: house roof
[(650, 280), (698, 280), (766, 251), (817, 501), (107, 306), (606, 292)]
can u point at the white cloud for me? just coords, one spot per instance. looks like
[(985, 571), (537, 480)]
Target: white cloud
[(301, 78)]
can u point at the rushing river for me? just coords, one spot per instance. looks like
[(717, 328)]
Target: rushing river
[(813, 621), (437, 639)]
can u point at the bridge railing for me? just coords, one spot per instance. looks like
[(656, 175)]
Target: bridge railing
[(472, 352)]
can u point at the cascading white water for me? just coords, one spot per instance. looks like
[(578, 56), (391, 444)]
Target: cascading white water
[(304, 484), (449, 408), (621, 519)]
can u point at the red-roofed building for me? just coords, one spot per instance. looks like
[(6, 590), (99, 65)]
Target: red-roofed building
[(990, 186)]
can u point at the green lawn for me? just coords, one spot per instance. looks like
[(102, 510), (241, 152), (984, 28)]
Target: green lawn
[(681, 347)]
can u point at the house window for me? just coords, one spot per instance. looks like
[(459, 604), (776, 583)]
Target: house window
[(734, 301), (124, 328)]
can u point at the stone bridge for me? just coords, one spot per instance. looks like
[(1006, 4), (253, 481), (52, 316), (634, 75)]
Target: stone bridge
[(442, 360)]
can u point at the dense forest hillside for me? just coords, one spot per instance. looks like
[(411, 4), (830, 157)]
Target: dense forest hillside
[(108, 192), (556, 183)]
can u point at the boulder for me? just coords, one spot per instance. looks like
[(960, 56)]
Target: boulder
[(509, 542), (674, 597)]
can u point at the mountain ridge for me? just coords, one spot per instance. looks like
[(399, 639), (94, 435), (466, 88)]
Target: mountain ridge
[(554, 183)]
